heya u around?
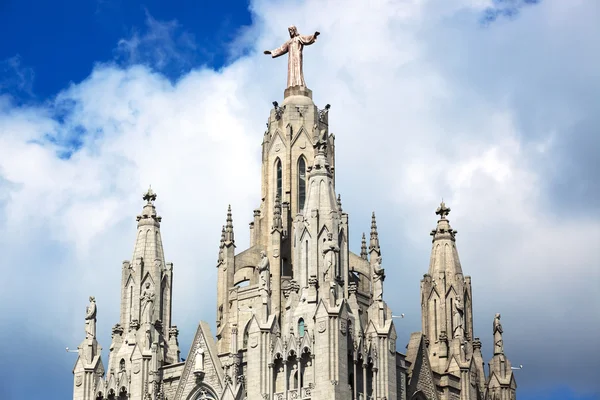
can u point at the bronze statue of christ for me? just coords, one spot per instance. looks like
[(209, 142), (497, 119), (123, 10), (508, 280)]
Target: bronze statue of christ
[(294, 47)]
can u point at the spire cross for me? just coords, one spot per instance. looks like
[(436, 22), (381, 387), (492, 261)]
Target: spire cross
[(149, 196), (442, 210)]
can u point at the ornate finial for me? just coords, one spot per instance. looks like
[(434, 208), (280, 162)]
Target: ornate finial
[(363, 247), (148, 215), (223, 235), (149, 196), (442, 210), (374, 242), (229, 226), (339, 202)]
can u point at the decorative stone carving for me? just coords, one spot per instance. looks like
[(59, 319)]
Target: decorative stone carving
[(457, 318), (90, 319), (330, 254), (264, 273), (294, 46), (134, 325), (147, 303), (498, 343), (199, 360), (378, 276), (322, 326), (323, 113)]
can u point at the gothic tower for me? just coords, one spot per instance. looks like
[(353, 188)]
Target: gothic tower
[(299, 314), (143, 341), (446, 359)]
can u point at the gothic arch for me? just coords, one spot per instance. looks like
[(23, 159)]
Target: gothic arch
[(278, 174), (203, 392), (418, 396), (301, 182)]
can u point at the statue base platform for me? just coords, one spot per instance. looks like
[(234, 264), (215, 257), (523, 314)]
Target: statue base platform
[(297, 91)]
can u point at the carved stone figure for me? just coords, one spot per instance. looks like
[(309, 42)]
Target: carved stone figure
[(294, 46), (457, 318), (147, 302), (378, 277), (498, 344), (264, 271), (199, 360), (90, 319), (330, 252)]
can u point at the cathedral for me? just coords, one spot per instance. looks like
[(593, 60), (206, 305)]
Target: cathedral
[(299, 316)]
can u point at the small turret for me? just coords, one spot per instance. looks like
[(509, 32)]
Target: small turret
[(363, 247), (374, 241), (501, 382), (89, 369), (229, 237)]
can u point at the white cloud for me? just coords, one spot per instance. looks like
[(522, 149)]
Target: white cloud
[(409, 130)]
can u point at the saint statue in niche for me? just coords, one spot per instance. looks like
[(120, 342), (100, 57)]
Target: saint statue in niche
[(199, 361), (457, 318), (264, 272), (147, 302), (330, 254)]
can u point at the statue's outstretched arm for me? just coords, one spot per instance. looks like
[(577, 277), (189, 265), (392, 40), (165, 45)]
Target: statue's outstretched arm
[(309, 39), (283, 49)]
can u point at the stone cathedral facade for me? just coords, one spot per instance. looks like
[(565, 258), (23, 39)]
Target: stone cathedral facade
[(299, 316)]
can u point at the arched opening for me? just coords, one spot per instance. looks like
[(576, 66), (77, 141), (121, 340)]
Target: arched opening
[(301, 327), (370, 375), (100, 396), (279, 179), (451, 319), (292, 370), (130, 303), (122, 365), (123, 394), (243, 283), (111, 395), (419, 396), (205, 393), (306, 372), (360, 377), (246, 336), (278, 376), (301, 183), (435, 321)]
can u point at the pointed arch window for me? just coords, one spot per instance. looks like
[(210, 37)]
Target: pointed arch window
[(279, 175), (301, 183), (246, 336), (301, 327)]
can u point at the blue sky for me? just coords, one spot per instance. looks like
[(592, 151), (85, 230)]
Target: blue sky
[(491, 104)]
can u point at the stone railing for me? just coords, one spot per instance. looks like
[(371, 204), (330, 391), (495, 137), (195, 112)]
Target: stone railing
[(294, 394)]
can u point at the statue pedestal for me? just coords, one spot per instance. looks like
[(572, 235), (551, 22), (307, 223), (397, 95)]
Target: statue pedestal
[(297, 91)]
